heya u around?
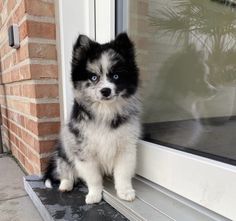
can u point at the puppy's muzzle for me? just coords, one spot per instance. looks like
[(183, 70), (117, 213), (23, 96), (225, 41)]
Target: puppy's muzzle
[(106, 92)]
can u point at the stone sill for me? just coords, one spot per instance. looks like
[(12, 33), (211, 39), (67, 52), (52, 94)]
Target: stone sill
[(152, 203)]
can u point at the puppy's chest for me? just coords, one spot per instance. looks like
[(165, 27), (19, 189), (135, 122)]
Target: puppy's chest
[(100, 136), (103, 143)]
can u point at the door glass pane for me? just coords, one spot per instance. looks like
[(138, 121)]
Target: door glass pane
[(186, 51)]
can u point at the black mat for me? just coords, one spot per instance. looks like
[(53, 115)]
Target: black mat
[(54, 205)]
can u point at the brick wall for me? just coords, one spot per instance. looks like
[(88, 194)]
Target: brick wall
[(29, 82)]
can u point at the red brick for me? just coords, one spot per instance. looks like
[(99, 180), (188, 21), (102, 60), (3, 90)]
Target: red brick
[(1, 6), (46, 146), (42, 128), (31, 125), (28, 138), (48, 128), (28, 90), (7, 62), (10, 5), (2, 91), (39, 71), (23, 30), (19, 13), (5, 49), (21, 133), (46, 91), (45, 110), (33, 158), (14, 151), (45, 51), (24, 72), (15, 75), (22, 53), (21, 158), (18, 105), (39, 8), (44, 163), (6, 77), (29, 168), (41, 30), (22, 147)]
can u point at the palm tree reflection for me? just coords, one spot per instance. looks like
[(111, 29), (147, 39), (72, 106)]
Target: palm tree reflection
[(206, 31)]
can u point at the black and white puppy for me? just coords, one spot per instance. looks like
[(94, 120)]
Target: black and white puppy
[(102, 133)]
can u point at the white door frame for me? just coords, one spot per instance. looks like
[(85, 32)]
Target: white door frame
[(74, 17), (104, 20)]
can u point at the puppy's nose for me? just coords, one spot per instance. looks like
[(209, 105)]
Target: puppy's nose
[(106, 92)]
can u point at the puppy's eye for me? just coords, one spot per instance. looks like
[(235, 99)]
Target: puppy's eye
[(94, 77), (115, 76)]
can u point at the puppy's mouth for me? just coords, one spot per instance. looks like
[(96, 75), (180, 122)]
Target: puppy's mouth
[(110, 98)]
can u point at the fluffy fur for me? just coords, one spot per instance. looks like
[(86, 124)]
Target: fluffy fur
[(101, 135)]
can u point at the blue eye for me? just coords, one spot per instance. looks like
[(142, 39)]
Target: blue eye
[(94, 78), (115, 76)]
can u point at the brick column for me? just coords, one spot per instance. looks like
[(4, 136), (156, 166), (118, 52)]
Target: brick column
[(29, 82)]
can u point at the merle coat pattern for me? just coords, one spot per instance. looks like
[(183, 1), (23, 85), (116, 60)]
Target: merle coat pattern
[(102, 133)]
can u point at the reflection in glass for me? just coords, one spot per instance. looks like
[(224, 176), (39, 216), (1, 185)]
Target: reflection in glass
[(187, 51)]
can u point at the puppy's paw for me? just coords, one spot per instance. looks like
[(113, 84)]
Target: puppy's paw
[(48, 184), (66, 185), (126, 194), (93, 198)]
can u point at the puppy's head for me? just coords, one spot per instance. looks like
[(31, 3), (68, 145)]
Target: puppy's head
[(104, 72)]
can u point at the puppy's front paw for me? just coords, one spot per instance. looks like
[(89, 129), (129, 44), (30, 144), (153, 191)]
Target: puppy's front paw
[(93, 198), (126, 194), (66, 186)]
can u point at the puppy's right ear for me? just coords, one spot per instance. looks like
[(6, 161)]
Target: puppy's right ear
[(83, 41), (80, 48)]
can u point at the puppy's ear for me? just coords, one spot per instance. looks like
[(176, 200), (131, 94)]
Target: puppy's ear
[(83, 41), (81, 48), (124, 46)]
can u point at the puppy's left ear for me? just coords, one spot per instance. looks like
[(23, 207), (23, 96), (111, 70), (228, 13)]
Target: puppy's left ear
[(124, 45)]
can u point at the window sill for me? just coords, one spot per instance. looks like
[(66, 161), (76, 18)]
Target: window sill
[(154, 202), (206, 182)]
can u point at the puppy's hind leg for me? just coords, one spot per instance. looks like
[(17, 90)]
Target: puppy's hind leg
[(66, 175), (90, 173)]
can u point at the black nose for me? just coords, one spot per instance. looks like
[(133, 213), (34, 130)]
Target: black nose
[(106, 92)]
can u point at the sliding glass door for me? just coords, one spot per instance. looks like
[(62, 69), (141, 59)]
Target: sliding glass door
[(187, 51)]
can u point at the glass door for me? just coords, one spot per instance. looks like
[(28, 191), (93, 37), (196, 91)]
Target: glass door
[(186, 52)]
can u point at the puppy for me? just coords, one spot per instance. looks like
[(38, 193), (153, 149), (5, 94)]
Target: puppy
[(102, 133)]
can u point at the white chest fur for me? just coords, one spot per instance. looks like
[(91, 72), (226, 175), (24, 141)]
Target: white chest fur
[(105, 143)]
